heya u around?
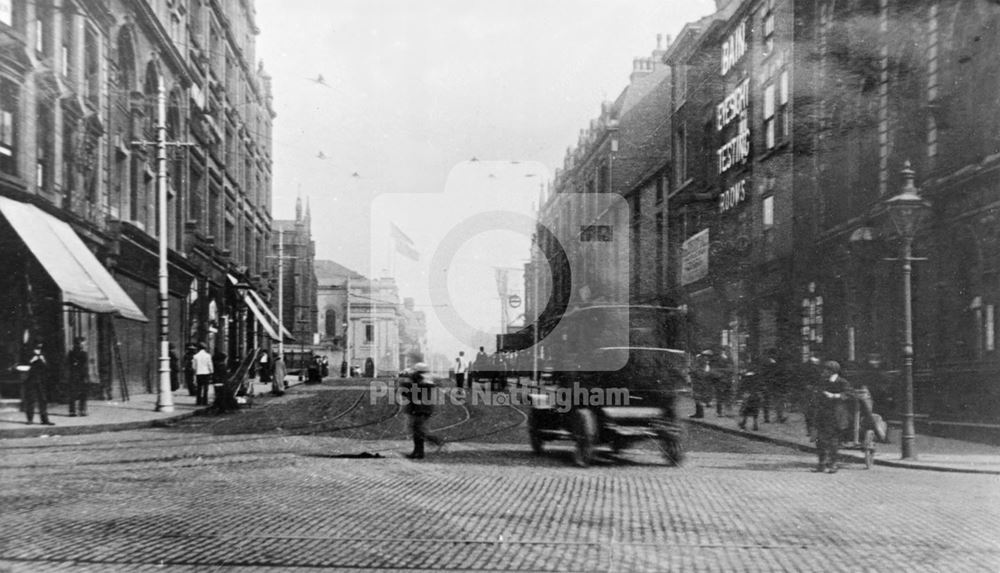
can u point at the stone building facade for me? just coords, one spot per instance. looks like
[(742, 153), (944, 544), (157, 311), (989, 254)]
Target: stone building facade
[(298, 275), (79, 81)]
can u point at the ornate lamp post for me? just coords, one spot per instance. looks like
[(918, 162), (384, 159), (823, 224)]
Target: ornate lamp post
[(906, 211)]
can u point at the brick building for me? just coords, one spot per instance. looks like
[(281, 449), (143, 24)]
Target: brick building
[(886, 83), (602, 221), (783, 235)]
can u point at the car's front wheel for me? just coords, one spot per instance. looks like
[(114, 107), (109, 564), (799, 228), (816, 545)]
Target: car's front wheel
[(585, 436), (671, 440)]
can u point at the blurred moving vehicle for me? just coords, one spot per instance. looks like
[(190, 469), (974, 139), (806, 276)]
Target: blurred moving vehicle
[(596, 394)]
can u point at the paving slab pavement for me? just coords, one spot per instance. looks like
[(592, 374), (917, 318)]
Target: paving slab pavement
[(139, 411), (933, 453)]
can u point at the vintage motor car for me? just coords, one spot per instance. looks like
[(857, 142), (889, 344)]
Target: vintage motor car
[(613, 396)]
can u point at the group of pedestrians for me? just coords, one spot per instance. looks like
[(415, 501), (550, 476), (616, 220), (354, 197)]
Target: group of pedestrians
[(775, 384)]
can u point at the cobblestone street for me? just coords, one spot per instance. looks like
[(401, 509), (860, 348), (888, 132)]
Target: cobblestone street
[(236, 492)]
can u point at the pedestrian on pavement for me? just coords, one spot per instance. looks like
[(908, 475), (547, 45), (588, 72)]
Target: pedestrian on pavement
[(220, 367), (874, 376), (461, 366), (722, 384), (79, 377), (36, 386), (753, 397), (774, 378), (204, 369), (278, 380), (189, 378), (343, 368), (702, 382), (419, 394), (324, 367), (832, 416), (175, 382), (264, 367)]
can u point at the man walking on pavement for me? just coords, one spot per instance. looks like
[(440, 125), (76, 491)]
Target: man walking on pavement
[(78, 377), (203, 371), (701, 382), (278, 381), (35, 386), (775, 381), (419, 392), (189, 379), (832, 415)]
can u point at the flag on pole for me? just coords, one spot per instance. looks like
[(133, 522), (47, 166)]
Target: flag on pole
[(502, 281), (404, 244)]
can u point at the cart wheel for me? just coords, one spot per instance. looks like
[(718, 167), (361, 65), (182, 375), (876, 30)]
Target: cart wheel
[(869, 446)]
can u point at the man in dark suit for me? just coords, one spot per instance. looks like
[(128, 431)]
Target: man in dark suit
[(832, 415), (36, 386), (79, 377)]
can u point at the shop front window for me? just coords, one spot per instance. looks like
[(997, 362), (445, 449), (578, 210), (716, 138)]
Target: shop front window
[(812, 322)]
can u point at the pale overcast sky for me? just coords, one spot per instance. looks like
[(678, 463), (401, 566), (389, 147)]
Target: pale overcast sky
[(411, 90)]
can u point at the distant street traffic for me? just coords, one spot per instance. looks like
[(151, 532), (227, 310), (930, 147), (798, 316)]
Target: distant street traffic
[(294, 482)]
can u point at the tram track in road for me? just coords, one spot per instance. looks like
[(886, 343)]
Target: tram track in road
[(167, 445)]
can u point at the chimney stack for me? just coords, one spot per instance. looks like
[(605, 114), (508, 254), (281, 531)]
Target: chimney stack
[(639, 69)]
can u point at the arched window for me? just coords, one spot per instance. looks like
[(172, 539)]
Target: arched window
[(175, 178), (121, 122)]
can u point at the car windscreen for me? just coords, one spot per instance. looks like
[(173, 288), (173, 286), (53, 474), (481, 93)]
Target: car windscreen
[(644, 368)]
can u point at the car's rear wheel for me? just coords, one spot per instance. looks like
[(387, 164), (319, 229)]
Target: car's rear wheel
[(537, 443), (670, 437), (585, 435)]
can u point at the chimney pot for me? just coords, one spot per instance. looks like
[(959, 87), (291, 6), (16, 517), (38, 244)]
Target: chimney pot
[(659, 41)]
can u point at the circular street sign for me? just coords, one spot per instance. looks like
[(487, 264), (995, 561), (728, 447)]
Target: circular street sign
[(514, 300)]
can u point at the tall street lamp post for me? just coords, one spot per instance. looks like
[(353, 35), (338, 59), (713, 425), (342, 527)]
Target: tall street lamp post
[(906, 211)]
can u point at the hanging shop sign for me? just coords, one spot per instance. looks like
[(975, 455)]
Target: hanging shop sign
[(694, 258)]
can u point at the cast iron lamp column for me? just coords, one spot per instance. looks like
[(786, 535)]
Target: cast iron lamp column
[(906, 211)]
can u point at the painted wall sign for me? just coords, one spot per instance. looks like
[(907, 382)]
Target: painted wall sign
[(733, 196), (734, 47), (735, 105), (736, 150)]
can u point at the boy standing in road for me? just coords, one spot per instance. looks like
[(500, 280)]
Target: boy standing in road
[(419, 393)]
